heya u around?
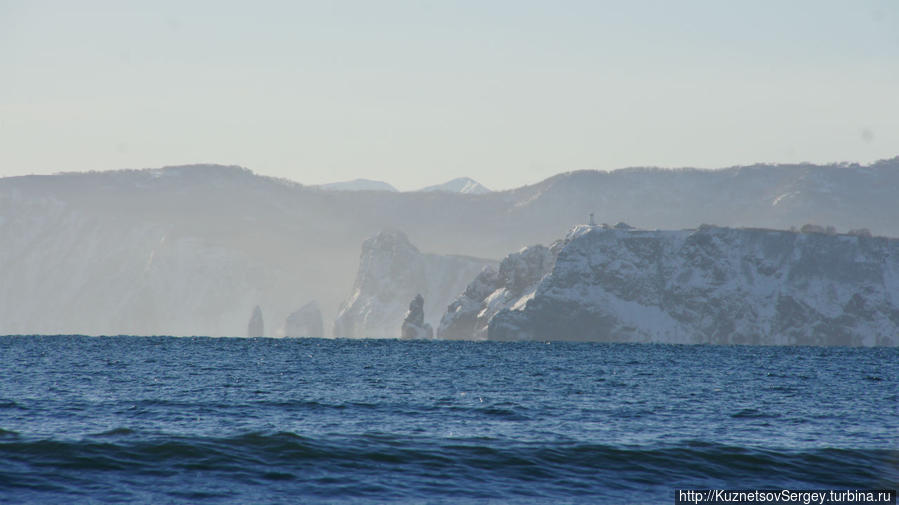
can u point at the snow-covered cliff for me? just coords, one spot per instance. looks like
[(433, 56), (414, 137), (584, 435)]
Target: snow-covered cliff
[(495, 289), (713, 285), (391, 272)]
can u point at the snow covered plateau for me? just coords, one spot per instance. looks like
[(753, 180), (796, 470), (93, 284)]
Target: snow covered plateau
[(710, 285)]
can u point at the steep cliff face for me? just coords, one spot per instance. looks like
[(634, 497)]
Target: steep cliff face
[(713, 285), (391, 272), (496, 289)]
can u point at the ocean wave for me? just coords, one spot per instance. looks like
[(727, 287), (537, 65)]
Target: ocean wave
[(332, 464)]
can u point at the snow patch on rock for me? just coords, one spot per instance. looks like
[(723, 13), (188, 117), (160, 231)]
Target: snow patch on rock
[(493, 290)]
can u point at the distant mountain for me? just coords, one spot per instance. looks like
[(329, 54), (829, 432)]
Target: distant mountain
[(461, 185), (358, 185), (191, 250)]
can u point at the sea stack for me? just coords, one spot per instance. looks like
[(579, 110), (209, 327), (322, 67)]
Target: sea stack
[(256, 328), (414, 326)]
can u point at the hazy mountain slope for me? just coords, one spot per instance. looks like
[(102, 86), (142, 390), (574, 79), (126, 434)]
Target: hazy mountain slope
[(70, 271), (358, 185), (713, 285), (284, 244), (775, 196), (73, 247)]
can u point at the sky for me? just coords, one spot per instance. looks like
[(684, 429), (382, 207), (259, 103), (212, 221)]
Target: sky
[(418, 92)]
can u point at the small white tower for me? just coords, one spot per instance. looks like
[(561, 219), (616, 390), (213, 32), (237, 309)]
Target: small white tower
[(592, 222)]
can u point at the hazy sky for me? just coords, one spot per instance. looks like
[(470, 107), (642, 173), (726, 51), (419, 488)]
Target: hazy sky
[(418, 92)]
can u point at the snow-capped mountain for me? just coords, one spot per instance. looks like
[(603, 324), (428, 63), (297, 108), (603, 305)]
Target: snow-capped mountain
[(358, 185), (462, 185), (713, 285), (392, 272)]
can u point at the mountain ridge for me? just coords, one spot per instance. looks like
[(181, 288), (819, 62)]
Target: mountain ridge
[(281, 243)]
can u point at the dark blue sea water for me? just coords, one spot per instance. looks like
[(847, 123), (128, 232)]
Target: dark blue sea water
[(235, 421)]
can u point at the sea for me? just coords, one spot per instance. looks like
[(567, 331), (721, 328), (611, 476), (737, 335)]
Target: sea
[(158, 420)]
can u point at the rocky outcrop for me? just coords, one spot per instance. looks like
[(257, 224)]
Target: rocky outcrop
[(305, 322), (414, 325), (496, 289), (713, 285), (391, 272), (256, 328)]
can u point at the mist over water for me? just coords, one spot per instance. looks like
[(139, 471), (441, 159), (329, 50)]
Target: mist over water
[(199, 420)]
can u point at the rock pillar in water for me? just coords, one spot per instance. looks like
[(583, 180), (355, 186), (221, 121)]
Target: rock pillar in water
[(256, 327), (414, 326)]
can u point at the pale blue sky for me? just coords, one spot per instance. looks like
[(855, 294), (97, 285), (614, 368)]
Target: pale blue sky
[(418, 92)]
